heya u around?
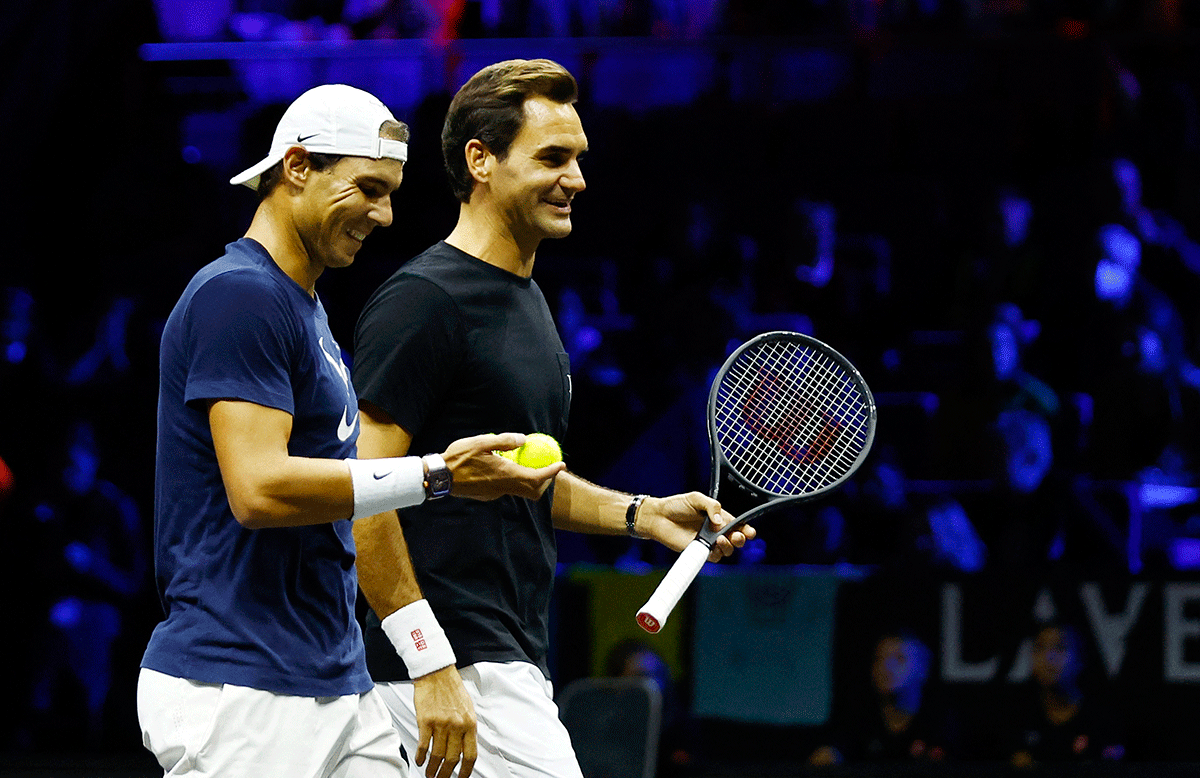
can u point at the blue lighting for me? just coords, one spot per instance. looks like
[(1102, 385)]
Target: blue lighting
[(1185, 554), (15, 352)]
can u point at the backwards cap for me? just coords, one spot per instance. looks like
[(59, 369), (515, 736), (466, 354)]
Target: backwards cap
[(330, 119)]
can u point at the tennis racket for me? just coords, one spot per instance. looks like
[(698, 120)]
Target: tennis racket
[(789, 420)]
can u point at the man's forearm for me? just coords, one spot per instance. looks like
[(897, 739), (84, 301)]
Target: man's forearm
[(385, 569), (582, 506)]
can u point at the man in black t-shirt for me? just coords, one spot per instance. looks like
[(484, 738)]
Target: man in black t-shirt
[(1055, 721), (459, 339)]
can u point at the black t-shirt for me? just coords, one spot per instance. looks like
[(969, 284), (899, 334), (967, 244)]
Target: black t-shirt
[(1093, 733), (449, 347), (928, 736)]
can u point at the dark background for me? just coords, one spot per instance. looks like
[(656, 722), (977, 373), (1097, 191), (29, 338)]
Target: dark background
[(733, 147)]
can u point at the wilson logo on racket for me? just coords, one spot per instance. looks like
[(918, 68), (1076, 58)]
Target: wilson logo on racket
[(791, 433), (771, 413), (823, 444)]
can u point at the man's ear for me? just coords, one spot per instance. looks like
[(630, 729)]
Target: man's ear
[(296, 166), (480, 160)]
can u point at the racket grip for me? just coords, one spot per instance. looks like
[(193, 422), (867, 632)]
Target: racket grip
[(653, 615)]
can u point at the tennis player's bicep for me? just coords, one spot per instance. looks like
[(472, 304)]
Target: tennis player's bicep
[(251, 446)]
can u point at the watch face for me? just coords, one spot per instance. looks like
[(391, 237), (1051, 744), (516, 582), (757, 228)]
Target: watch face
[(439, 482)]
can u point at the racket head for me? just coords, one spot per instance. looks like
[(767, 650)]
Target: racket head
[(789, 418)]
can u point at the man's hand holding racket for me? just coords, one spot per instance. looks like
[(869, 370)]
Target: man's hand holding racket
[(674, 522)]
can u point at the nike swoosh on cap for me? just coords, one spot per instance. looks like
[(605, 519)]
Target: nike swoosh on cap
[(306, 137)]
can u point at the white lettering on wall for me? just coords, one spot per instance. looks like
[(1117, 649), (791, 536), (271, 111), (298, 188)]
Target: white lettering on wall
[(1177, 629), (954, 667), (1111, 629)]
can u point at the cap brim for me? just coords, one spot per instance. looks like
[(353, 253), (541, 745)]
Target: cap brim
[(249, 176)]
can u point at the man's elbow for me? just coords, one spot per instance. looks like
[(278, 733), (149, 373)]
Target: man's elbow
[(255, 512)]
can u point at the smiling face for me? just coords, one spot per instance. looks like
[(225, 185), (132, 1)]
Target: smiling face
[(532, 187), (342, 204)]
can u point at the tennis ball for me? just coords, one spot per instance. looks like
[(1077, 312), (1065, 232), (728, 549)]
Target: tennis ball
[(508, 453), (540, 450)]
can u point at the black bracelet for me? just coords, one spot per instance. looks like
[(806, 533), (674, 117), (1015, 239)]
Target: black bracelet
[(631, 516)]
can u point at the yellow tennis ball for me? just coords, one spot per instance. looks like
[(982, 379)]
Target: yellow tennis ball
[(540, 450), (507, 453)]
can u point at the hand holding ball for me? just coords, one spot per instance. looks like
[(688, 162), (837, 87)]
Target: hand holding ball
[(540, 450)]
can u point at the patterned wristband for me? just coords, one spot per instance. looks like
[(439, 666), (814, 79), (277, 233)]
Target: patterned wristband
[(419, 639), (631, 516)]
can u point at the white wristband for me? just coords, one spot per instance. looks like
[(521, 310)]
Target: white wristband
[(386, 484), (419, 639)]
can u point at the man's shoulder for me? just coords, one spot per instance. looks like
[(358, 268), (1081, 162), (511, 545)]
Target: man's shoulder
[(422, 271), (239, 262), (232, 285), (440, 263), (238, 267), (433, 278)]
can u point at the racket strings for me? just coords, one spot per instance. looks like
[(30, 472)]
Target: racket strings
[(789, 419), (836, 401), (790, 438)]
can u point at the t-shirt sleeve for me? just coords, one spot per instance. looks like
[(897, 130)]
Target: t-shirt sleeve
[(240, 335), (405, 349)]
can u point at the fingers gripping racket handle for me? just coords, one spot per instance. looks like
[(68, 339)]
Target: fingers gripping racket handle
[(654, 613)]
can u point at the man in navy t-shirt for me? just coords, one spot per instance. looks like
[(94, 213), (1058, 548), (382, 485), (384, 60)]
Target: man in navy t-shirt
[(258, 669)]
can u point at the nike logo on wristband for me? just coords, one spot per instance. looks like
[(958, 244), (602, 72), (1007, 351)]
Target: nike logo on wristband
[(379, 477)]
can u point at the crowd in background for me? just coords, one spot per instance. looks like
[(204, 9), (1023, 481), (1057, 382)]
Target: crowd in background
[(1013, 267), (440, 21)]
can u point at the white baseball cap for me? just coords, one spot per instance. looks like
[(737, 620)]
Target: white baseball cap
[(330, 119)]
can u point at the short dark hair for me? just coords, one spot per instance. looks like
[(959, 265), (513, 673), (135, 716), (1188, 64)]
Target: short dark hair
[(490, 108), (392, 130)]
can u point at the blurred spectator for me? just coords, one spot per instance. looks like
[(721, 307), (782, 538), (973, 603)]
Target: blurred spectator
[(109, 353), (1154, 226), (28, 370), (1027, 515), (1132, 364), (822, 223), (389, 19), (892, 526), (635, 658), (898, 722), (16, 324), (96, 565), (1009, 335), (1056, 721), (955, 540)]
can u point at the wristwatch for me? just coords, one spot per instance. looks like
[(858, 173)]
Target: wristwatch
[(437, 476)]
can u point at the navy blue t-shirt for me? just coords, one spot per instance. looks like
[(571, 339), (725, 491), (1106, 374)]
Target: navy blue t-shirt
[(271, 609)]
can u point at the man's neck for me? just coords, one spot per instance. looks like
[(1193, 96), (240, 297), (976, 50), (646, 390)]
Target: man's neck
[(484, 236), (274, 233)]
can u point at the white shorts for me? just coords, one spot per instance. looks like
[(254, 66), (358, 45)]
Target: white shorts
[(209, 729), (519, 733)]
